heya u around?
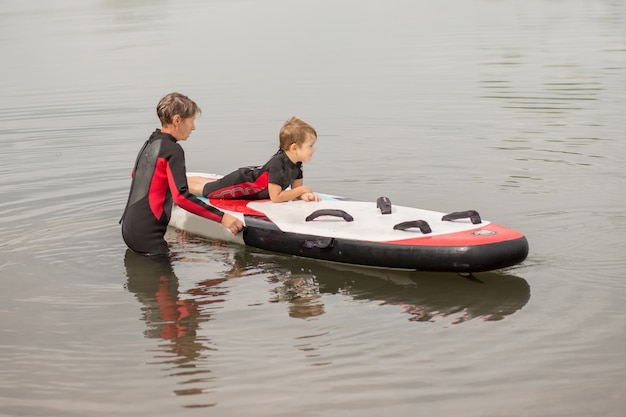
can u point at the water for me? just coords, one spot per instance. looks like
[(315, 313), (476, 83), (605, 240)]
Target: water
[(511, 108)]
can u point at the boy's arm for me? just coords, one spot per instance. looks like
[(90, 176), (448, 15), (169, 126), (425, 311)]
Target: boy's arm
[(306, 195), (278, 195)]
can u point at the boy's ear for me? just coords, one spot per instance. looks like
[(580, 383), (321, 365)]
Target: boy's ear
[(293, 146)]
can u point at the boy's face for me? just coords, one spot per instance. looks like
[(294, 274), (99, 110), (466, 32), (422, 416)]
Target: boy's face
[(305, 151)]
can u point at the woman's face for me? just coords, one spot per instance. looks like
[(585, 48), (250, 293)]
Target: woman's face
[(183, 127)]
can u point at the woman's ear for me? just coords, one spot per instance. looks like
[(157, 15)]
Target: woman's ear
[(176, 119)]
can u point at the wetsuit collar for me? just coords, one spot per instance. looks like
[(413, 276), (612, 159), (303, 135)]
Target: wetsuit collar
[(157, 133), (286, 158)]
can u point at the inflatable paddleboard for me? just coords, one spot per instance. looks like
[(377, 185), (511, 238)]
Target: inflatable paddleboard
[(369, 233)]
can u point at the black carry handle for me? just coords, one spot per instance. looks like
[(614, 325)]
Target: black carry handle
[(329, 212), (472, 214), (384, 205), (321, 243), (421, 224)]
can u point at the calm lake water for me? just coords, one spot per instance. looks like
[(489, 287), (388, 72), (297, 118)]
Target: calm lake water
[(512, 108)]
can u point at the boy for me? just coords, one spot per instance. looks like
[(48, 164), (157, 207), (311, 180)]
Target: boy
[(159, 177), (297, 145)]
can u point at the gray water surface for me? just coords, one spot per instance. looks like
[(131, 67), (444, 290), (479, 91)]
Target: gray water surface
[(512, 108)]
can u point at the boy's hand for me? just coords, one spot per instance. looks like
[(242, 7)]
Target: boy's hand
[(309, 197)]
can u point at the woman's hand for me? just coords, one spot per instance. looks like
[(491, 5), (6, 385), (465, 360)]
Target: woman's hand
[(232, 223)]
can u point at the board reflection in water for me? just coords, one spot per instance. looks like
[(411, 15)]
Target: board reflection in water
[(424, 296), (179, 319)]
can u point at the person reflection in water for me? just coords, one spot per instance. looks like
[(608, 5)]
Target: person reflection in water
[(302, 293), (170, 315)]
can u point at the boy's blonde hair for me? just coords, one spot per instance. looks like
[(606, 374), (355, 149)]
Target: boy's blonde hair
[(295, 131), (176, 104)]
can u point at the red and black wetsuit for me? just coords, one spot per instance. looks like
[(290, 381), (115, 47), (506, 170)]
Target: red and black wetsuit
[(159, 177), (250, 183)]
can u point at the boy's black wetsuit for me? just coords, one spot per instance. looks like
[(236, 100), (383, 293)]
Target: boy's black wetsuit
[(250, 183), (159, 177)]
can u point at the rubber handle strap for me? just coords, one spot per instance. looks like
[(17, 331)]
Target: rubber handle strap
[(471, 214), (321, 243), (329, 212), (420, 224), (384, 205)]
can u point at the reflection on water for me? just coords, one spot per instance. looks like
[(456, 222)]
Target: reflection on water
[(301, 291), (176, 317), (425, 297), (173, 317)]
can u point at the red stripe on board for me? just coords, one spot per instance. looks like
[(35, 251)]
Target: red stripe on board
[(473, 237), (238, 206)]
